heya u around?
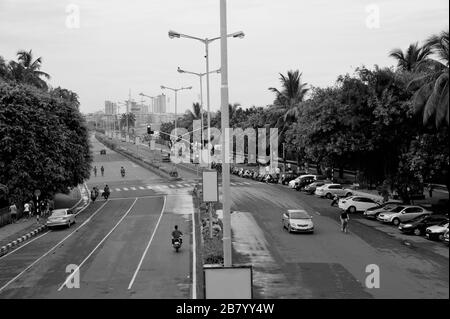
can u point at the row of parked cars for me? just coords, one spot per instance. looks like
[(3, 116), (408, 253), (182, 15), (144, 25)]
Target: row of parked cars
[(411, 219)]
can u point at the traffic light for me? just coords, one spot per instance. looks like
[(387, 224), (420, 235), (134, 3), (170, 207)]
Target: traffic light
[(149, 130)]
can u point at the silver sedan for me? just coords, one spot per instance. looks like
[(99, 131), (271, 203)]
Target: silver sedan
[(61, 217)]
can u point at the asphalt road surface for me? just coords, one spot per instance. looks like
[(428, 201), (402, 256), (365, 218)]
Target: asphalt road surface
[(120, 248)]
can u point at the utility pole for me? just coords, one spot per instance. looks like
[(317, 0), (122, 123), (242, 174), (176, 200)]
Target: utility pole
[(127, 116), (225, 130)]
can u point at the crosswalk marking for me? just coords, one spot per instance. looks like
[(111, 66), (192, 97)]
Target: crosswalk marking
[(133, 188), (118, 189), (140, 187), (125, 189), (172, 186), (149, 187)]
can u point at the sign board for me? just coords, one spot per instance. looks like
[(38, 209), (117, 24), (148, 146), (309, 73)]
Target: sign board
[(37, 192), (228, 282), (210, 187)]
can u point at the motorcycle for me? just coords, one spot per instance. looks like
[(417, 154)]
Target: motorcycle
[(106, 195), (123, 173), (176, 243)]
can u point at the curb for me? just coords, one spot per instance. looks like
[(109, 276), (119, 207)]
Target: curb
[(10, 246)]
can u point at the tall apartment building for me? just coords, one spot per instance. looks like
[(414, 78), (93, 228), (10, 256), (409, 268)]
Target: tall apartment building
[(110, 108), (160, 104)]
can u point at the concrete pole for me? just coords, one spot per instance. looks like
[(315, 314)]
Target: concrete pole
[(208, 99), (226, 197)]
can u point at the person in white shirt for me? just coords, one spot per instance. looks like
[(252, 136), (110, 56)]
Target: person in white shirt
[(27, 210)]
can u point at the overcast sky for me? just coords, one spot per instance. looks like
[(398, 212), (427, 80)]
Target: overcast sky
[(122, 45)]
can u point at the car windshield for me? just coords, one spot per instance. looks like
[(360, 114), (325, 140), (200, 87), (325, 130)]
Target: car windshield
[(397, 209), (299, 215), (59, 213)]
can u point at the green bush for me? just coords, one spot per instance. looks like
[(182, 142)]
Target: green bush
[(212, 251)]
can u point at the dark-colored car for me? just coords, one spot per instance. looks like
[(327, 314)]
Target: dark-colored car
[(287, 177), (311, 188), (419, 224), (303, 183)]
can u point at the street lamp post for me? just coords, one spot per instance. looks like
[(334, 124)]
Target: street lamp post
[(176, 93), (200, 75), (206, 42)]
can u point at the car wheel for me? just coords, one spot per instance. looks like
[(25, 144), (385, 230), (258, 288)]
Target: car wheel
[(417, 232), (396, 221), (352, 209), (348, 194), (329, 196)]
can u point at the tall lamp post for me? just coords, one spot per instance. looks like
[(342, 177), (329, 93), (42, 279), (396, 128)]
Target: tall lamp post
[(200, 75), (206, 42), (176, 93)]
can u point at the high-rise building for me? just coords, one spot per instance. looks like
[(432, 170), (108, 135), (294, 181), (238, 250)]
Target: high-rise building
[(110, 108), (160, 104)]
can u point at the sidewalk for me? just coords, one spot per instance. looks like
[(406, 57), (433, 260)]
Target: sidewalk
[(24, 226)]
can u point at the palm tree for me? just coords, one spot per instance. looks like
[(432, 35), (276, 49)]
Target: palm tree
[(4, 71), (130, 117), (431, 85), (412, 57), (28, 69), (288, 101), (196, 112)]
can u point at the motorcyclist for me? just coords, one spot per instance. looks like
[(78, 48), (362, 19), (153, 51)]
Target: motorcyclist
[(176, 234), (122, 171)]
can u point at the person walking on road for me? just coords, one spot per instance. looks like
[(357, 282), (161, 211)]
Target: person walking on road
[(102, 169), (27, 210), (13, 212), (95, 171), (344, 221), (430, 190)]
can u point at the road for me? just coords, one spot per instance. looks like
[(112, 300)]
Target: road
[(119, 248), (329, 263)]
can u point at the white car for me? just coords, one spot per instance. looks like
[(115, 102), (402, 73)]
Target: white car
[(298, 220), (294, 182), (402, 214), (357, 204), (329, 190), (61, 217), (437, 231)]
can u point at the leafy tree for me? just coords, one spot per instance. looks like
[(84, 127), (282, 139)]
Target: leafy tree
[(412, 57), (127, 117), (44, 141), (431, 86)]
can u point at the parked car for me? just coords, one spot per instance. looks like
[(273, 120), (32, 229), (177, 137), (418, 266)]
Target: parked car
[(406, 214), (61, 217), (255, 175), (330, 190), (166, 157), (420, 224), (311, 188), (372, 213), (437, 231), (287, 177), (303, 183), (271, 178), (293, 183), (297, 220), (445, 239), (355, 204)]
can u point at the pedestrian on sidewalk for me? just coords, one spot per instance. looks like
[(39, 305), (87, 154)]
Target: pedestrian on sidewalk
[(13, 212), (95, 171), (27, 210), (102, 169), (344, 221)]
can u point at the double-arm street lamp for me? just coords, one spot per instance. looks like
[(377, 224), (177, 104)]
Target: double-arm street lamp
[(150, 97), (176, 92), (206, 42), (200, 75)]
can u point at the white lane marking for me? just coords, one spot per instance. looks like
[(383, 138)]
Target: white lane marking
[(148, 245), (118, 190), (187, 185), (172, 186), (149, 187), (20, 247), (140, 187), (125, 189), (96, 247), (53, 248), (247, 183), (133, 188)]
